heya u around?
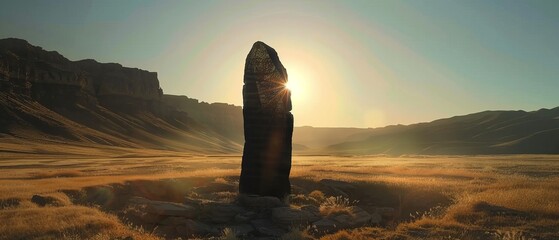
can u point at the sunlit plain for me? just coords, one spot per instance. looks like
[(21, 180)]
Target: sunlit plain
[(435, 196)]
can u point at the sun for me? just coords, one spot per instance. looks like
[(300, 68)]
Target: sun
[(289, 85), (293, 86), (297, 82)]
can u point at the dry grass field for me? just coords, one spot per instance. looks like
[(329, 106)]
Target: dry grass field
[(434, 197)]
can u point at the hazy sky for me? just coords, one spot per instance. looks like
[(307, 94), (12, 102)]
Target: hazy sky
[(353, 63)]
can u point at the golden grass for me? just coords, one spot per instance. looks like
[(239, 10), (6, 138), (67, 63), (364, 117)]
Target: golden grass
[(335, 205), (58, 198), (63, 222), (317, 195), (55, 174), (26, 188), (228, 234), (527, 184), (356, 234)]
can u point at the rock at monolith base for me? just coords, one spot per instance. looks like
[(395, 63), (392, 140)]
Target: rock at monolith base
[(268, 125)]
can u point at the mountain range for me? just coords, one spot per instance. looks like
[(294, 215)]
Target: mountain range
[(47, 98)]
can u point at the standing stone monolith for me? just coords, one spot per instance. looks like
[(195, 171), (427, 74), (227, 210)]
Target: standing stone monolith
[(268, 125)]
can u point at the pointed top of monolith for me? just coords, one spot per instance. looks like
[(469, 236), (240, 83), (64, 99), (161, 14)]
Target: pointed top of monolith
[(263, 60)]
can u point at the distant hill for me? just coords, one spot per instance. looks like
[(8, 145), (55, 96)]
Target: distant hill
[(44, 97), (316, 138), (489, 132)]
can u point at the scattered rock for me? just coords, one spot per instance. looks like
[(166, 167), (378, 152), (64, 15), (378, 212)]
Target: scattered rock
[(355, 218), (39, 200), (173, 221), (312, 209), (138, 200), (259, 202), (192, 227), (220, 212), (242, 229), (150, 217), (170, 209), (339, 192), (386, 212), (245, 217), (167, 231), (183, 231), (10, 202), (45, 200), (325, 225), (267, 227), (287, 216), (146, 217), (375, 218), (251, 216), (192, 201)]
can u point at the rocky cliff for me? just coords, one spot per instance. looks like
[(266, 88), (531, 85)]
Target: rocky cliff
[(52, 79), (45, 96)]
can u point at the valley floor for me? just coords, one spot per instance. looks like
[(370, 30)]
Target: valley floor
[(432, 197)]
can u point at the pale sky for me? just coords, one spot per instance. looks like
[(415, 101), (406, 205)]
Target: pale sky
[(352, 63)]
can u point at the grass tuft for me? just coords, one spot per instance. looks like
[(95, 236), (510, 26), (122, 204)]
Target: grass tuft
[(335, 205), (510, 235), (228, 234)]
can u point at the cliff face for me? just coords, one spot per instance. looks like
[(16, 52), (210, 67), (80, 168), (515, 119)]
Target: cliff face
[(120, 87), (52, 79), (46, 97)]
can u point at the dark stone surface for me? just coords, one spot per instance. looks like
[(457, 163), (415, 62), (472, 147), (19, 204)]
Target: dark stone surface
[(39, 200), (45, 200), (268, 125)]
